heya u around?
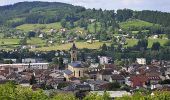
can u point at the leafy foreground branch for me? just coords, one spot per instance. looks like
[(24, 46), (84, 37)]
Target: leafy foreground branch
[(11, 91)]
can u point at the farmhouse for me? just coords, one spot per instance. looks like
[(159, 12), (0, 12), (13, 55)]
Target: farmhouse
[(141, 61)]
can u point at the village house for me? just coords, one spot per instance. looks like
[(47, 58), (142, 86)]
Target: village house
[(104, 60), (117, 78), (104, 75), (141, 61), (97, 84), (32, 60)]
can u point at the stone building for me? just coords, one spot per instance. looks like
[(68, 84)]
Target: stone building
[(75, 68)]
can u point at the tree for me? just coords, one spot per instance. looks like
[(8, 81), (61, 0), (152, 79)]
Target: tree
[(33, 80), (167, 81), (142, 44), (61, 64), (123, 15), (8, 62), (83, 56), (64, 96), (95, 96), (63, 23), (160, 95), (95, 27), (23, 41), (156, 46), (168, 35), (31, 34), (114, 86), (104, 47), (10, 91), (112, 48), (167, 43)]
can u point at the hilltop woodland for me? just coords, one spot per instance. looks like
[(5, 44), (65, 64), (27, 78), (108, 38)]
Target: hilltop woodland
[(122, 34)]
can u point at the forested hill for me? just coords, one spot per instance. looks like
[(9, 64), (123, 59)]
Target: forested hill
[(49, 12), (25, 10)]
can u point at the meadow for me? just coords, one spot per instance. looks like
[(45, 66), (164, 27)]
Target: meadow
[(135, 24)]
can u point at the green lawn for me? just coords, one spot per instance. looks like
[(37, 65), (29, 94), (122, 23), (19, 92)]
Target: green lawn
[(36, 41), (44, 27), (67, 46), (9, 44), (132, 42), (9, 41), (161, 41), (91, 27), (135, 23), (57, 26)]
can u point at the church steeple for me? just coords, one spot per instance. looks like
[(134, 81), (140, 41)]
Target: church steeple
[(74, 47), (73, 53)]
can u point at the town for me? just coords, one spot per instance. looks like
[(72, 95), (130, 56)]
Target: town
[(80, 77), (84, 50)]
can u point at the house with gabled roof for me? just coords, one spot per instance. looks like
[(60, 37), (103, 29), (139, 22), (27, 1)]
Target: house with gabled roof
[(117, 78)]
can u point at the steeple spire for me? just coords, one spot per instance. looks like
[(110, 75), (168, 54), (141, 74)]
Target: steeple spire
[(73, 53), (74, 47)]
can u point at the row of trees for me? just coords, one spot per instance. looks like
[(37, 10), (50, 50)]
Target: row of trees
[(10, 91)]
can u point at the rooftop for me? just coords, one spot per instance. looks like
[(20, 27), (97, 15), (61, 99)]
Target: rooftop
[(113, 93), (68, 72), (76, 64)]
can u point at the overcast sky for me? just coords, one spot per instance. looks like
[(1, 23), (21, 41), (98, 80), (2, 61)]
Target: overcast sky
[(160, 5)]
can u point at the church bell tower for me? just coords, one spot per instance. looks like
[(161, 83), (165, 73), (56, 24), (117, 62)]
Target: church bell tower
[(73, 53)]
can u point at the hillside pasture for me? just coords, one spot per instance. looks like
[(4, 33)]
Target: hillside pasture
[(80, 45), (135, 24), (43, 27)]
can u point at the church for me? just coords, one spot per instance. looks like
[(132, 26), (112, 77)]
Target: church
[(75, 68)]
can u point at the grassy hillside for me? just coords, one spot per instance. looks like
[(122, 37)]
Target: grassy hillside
[(80, 45), (137, 24), (9, 44), (132, 42), (44, 27), (57, 25)]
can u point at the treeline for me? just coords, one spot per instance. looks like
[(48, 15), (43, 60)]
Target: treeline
[(11, 91), (156, 17)]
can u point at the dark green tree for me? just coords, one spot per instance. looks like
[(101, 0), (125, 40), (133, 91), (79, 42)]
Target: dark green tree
[(156, 46), (33, 80)]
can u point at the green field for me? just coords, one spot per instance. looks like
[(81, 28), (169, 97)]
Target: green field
[(132, 42), (46, 27), (9, 44), (67, 46), (91, 27), (9, 41), (43, 27), (134, 23), (36, 41), (161, 41)]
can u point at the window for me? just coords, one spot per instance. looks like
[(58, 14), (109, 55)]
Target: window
[(79, 73)]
